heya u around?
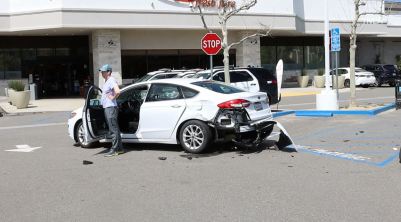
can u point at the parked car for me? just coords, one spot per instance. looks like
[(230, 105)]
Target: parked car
[(362, 77), (188, 112), (249, 79), (384, 73), (161, 74), (185, 75)]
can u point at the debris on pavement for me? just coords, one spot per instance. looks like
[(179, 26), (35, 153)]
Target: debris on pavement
[(87, 162), (346, 141), (162, 158)]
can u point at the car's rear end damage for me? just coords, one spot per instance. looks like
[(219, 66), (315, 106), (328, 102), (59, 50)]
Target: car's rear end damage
[(237, 125)]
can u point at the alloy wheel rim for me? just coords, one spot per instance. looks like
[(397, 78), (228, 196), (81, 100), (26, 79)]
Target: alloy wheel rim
[(193, 137), (81, 134)]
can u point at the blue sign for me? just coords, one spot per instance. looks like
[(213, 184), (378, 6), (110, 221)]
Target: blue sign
[(335, 40)]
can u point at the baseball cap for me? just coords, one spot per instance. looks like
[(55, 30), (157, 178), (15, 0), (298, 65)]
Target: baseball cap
[(106, 68)]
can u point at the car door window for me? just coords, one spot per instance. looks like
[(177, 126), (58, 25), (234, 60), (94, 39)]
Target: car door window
[(240, 76), (188, 93), (163, 92), (219, 77), (133, 94)]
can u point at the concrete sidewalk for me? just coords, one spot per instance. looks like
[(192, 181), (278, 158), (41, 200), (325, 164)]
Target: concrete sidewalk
[(68, 105), (43, 105)]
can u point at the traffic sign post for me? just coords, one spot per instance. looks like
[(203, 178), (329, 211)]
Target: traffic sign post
[(336, 48), (211, 44)]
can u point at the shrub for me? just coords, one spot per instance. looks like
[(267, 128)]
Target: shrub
[(16, 85)]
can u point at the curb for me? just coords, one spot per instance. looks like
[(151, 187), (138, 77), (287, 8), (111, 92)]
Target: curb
[(283, 113), (330, 113)]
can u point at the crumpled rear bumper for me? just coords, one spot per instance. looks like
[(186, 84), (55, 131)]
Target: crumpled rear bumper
[(248, 133)]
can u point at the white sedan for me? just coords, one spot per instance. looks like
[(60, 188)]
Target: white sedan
[(188, 112), (362, 77)]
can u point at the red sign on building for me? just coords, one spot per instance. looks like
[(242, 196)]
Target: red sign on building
[(211, 44)]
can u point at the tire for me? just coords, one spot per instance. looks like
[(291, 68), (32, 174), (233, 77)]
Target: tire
[(195, 136), (347, 83), (78, 135), (378, 82)]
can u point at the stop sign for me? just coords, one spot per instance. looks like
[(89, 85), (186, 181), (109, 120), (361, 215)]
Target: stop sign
[(211, 44)]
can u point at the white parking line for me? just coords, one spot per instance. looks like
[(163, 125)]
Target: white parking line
[(32, 126)]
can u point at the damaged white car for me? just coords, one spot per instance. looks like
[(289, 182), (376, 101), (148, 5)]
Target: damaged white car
[(188, 112)]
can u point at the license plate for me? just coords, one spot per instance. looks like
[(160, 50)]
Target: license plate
[(258, 106)]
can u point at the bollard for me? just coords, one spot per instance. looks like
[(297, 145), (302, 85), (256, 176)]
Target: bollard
[(398, 94)]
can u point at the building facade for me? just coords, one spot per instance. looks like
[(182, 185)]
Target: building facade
[(59, 44)]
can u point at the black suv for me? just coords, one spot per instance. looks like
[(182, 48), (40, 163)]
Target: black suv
[(249, 79), (384, 73)]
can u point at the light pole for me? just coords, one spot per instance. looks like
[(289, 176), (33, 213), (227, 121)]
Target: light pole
[(327, 99)]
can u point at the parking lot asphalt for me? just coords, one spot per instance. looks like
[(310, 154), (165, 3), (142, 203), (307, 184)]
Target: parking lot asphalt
[(346, 169)]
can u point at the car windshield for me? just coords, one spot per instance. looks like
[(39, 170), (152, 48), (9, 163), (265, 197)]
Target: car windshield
[(218, 87), (203, 75), (389, 67), (144, 78)]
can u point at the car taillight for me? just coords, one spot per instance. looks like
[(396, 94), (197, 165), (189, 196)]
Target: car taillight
[(236, 103)]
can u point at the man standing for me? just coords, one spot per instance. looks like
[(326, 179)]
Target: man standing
[(111, 91)]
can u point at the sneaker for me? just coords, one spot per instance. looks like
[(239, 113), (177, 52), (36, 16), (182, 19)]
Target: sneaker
[(111, 153), (121, 151)]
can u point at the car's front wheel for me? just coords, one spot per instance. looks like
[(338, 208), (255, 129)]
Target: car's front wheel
[(79, 134), (195, 136)]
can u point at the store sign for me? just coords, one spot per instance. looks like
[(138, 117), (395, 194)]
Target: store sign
[(209, 3)]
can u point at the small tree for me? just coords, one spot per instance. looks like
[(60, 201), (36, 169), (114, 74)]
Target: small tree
[(226, 9), (352, 50)]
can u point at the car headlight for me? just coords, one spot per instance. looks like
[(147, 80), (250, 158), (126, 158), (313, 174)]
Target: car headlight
[(72, 115)]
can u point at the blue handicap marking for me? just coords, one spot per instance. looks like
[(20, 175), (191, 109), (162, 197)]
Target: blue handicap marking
[(376, 158)]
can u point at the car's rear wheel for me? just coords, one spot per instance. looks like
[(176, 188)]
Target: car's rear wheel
[(195, 136), (79, 134), (347, 83)]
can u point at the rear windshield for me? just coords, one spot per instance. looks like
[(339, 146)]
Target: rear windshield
[(218, 87), (389, 67)]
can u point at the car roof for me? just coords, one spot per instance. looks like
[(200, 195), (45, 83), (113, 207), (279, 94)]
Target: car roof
[(165, 72)]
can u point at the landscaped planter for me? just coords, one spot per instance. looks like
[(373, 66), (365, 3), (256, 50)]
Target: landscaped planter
[(11, 96), (22, 99), (341, 80), (303, 81), (319, 81)]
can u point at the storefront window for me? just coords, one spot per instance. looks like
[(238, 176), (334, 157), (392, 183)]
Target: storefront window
[(292, 57), (268, 57), (28, 54), (314, 57), (45, 52), (2, 67), (12, 63), (62, 52)]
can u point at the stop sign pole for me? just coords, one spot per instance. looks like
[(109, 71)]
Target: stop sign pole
[(211, 45)]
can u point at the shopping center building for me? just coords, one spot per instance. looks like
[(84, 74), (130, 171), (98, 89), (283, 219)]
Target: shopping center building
[(59, 44)]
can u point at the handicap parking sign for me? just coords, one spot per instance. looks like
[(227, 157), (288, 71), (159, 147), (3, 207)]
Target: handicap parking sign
[(335, 40)]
